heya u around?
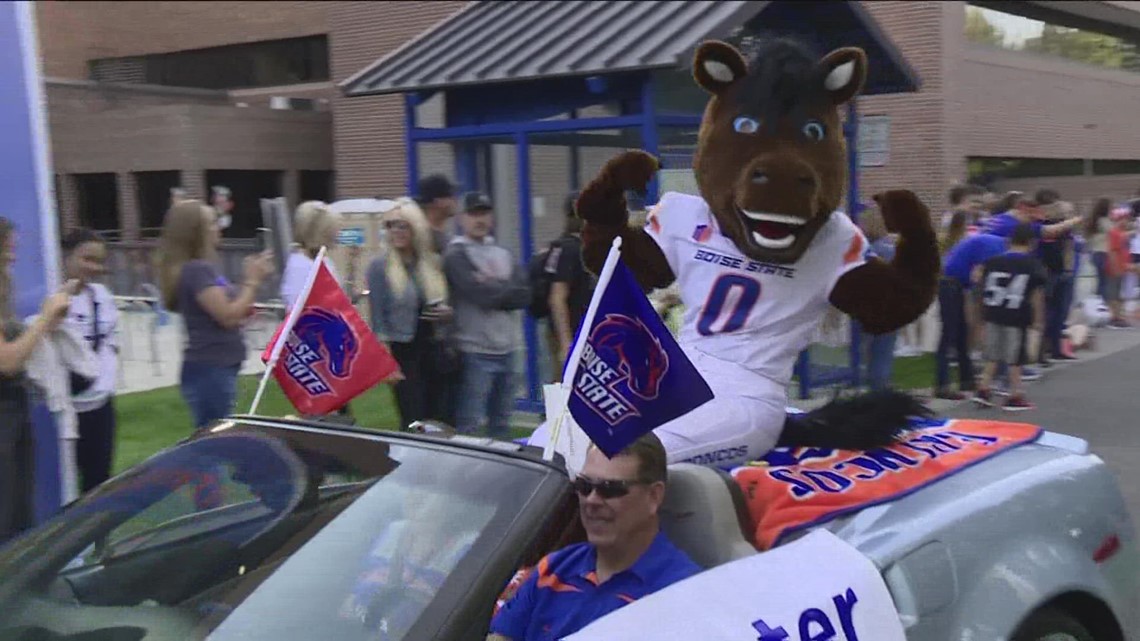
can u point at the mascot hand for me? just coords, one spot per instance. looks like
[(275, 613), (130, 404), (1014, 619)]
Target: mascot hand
[(603, 200), (904, 213)]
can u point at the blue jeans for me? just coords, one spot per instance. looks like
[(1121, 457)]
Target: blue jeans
[(955, 335), (1058, 304), (487, 391), (209, 390), (881, 357), (1100, 262)]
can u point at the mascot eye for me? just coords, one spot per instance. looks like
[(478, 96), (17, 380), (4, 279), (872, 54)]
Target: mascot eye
[(745, 125), (813, 130)]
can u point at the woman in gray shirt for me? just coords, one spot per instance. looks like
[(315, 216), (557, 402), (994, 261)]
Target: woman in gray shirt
[(212, 308)]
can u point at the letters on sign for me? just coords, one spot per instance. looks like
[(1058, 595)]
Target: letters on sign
[(814, 624)]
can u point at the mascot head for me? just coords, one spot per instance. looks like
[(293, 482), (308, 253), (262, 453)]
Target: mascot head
[(771, 159)]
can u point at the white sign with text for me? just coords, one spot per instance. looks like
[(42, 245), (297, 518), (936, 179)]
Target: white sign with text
[(815, 588)]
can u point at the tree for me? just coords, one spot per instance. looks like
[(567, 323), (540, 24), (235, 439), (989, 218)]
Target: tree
[(979, 29), (1082, 46)]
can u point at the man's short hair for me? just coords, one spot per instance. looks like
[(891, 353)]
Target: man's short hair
[(1046, 196), (434, 186), (1023, 235), (651, 458), (961, 192)]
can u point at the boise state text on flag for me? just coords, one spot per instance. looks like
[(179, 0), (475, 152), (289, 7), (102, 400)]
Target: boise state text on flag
[(330, 356), (632, 376)]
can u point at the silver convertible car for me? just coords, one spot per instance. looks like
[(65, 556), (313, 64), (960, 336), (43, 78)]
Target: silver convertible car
[(280, 530)]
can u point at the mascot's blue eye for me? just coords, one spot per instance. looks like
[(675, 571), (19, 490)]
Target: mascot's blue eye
[(745, 125), (814, 130)]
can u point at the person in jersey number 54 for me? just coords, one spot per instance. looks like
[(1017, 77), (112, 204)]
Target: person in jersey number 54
[(626, 557)]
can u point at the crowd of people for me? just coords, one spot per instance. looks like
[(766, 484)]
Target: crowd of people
[(1007, 291), (64, 358)]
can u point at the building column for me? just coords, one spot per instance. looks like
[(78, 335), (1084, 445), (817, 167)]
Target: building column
[(68, 203), (129, 217), (1088, 166), (291, 188), (194, 182)]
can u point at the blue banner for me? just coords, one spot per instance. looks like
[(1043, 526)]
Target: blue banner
[(632, 376), (25, 191)]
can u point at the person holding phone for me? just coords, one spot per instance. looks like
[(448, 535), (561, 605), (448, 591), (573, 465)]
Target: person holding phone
[(17, 344), (409, 312), (212, 308)]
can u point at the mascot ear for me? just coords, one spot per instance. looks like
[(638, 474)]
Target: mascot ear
[(844, 71), (717, 65)]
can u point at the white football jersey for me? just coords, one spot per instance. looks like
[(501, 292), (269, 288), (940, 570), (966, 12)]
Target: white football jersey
[(759, 315)]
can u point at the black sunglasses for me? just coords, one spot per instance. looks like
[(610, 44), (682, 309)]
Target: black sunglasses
[(608, 489)]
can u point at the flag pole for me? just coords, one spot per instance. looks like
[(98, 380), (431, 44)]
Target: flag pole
[(290, 320), (576, 352)]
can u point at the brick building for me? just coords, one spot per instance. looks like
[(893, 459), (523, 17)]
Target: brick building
[(146, 96)]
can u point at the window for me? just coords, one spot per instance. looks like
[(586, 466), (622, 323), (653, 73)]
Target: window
[(98, 196), (259, 64), (1115, 167), (317, 185), (153, 191), (247, 188), (1018, 33), (985, 170)]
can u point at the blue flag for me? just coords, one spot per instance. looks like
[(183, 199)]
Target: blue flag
[(632, 376)]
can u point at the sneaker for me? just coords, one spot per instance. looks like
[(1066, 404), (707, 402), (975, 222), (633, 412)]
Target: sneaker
[(999, 390), (1120, 324), (982, 397), (950, 395), (1065, 357), (1017, 404), (1030, 374)]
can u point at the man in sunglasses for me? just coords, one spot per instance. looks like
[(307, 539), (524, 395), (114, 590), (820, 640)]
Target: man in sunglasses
[(627, 557)]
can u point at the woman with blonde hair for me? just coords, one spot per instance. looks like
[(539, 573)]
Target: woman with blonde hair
[(408, 303), (213, 310), (314, 226), (881, 347)]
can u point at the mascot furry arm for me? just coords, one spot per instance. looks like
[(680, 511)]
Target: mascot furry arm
[(771, 166)]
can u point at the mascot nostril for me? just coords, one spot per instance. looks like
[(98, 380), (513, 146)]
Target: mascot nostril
[(764, 252)]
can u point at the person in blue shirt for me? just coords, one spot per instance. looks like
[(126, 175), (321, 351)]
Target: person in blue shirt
[(953, 288), (1027, 210), (627, 557)]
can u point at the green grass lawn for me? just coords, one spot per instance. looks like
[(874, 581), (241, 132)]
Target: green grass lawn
[(156, 419), (152, 420)]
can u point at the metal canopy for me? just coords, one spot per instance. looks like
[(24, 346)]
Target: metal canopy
[(503, 41)]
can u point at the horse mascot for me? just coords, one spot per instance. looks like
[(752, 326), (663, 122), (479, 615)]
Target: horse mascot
[(764, 252)]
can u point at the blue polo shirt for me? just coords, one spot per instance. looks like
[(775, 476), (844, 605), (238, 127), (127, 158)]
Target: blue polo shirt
[(1004, 224), (562, 595), (969, 253)]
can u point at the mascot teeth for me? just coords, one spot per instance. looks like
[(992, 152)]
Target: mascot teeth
[(770, 243), (773, 218)]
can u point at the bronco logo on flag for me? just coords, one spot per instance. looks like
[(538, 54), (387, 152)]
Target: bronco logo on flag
[(322, 362), (631, 376), (320, 340)]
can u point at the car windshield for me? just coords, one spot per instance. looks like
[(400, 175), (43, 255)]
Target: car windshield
[(259, 533)]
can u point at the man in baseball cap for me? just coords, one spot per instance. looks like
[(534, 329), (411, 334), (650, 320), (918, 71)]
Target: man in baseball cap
[(436, 196)]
